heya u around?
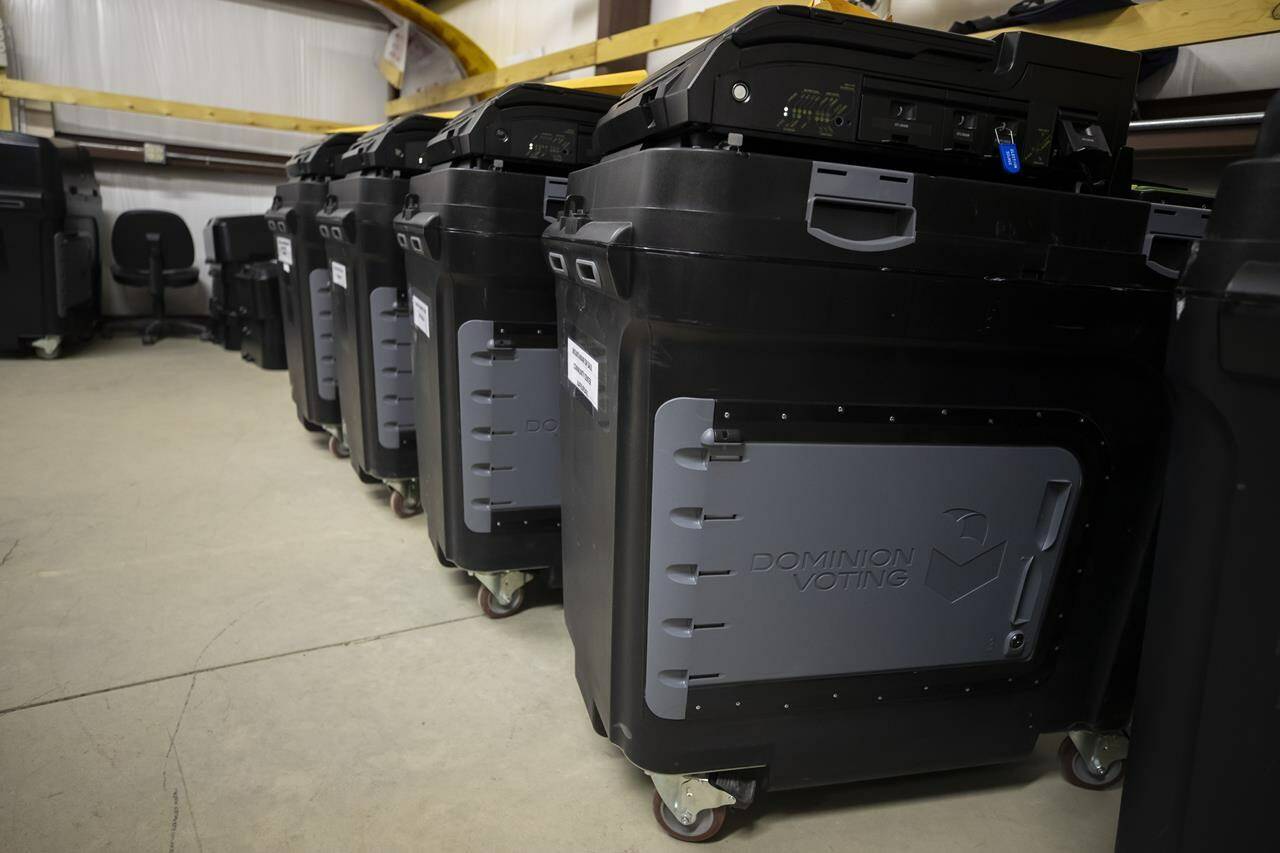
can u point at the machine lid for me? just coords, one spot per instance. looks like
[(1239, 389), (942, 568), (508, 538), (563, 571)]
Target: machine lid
[(797, 77), (397, 144), (530, 122), (320, 159)]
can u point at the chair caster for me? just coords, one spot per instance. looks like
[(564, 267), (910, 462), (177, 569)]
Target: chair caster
[(338, 448)]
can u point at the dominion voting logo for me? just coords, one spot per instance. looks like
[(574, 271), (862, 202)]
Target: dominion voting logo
[(968, 564)]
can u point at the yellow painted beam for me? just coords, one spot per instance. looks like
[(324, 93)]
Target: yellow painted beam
[(470, 55), (6, 112), (608, 84), (365, 128), (1166, 23), (694, 26), (534, 69), (669, 33), (152, 106)]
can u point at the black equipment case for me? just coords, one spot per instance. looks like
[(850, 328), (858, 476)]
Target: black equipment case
[(485, 363), (231, 244), (1206, 730), (860, 463), (306, 295), (50, 214), (262, 327), (371, 323)]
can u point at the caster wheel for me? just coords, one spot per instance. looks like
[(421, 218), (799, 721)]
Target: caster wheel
[(706, 827), (1075, 769), (403, 508), (337, 448), (48, 353), (148, 341), (495, 610)]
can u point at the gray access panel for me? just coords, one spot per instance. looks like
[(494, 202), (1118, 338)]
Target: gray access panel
[(392, 342), (322, 327), (509, 415), (790, 560)]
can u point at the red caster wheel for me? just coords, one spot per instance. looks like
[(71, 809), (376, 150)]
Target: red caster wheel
[(706, 825), (495, 609), (1076, 770), (337, 448), (401, 507)]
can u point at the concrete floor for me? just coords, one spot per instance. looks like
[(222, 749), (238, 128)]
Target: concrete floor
[(213, 637)]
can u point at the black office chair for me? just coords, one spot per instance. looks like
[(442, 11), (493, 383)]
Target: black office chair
[(153, 249)]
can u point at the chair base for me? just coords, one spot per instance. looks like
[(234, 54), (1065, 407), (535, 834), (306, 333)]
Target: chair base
[(152, 329), (157, 329)]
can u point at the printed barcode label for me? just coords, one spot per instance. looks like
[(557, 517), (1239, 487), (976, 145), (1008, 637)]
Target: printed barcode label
[(422, 315), (584, 373), (284, 250), (338, 273)]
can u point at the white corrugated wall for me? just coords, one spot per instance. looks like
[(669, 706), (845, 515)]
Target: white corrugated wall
[(310, 58)]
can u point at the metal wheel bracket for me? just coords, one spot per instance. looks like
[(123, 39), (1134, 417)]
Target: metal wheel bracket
[(1100, 750), (688, 796), (503, 585), (408, 488)]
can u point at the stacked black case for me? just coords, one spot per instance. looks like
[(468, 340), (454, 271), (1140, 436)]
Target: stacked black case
[(50, 215), (231, 245), (262, 339)]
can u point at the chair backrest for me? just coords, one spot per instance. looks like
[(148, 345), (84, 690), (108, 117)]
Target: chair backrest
[(132, 250)]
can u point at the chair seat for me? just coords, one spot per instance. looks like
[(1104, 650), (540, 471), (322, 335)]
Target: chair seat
[(180, 277)]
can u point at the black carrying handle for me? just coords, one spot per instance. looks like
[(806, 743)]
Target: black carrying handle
[(420, 233)]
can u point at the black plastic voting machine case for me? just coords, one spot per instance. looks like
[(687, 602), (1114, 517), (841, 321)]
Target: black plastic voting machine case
[(861, 430), (485, 363), (372, 328), (306, 295)]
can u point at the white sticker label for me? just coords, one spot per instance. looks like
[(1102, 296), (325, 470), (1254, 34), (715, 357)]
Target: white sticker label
[(584, 373), (338, 273), (422, 315), (284, 250)]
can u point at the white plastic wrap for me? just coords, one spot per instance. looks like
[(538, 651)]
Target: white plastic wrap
[(1239, 65), (429, 63), (513, 32), (313, 61)]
